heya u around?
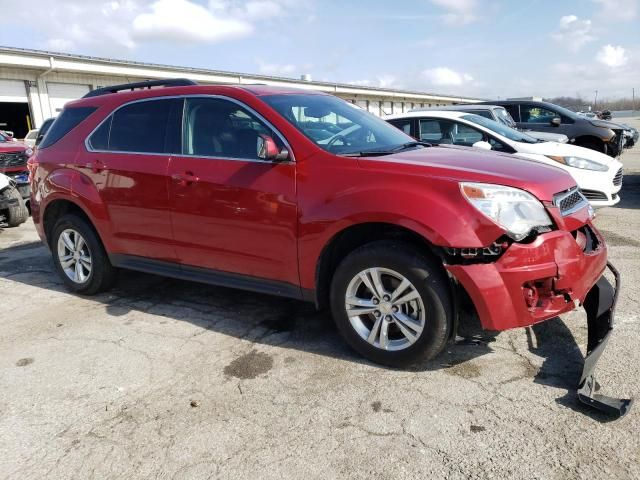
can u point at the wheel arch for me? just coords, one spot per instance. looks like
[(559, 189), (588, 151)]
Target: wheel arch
[(59, 207), (582, 139), (354, 236)]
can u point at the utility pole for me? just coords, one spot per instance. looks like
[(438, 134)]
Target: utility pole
[(595, 100), (633, 100)]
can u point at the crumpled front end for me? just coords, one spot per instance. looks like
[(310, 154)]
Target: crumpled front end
[(536, 281), (533, 282)]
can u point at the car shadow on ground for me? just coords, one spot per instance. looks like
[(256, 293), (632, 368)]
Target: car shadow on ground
[(274, 321)]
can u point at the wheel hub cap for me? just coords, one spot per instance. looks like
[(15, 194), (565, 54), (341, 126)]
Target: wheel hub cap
[(385, 309), (74, 256)]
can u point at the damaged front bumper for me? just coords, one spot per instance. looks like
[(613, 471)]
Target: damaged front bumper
[(537, 281), (600, 305)]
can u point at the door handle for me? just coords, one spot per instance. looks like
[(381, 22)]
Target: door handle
[(96, 166), (185, 179)]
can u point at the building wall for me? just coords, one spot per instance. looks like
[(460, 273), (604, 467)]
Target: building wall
[(50, 82)]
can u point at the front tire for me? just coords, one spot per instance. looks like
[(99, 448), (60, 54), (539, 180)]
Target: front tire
[(391, 303), (79, 256)]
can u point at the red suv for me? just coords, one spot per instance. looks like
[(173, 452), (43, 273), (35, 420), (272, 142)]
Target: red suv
[(301, 194)]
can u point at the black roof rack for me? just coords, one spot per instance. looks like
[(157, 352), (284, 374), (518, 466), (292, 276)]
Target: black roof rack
[(173, 82)]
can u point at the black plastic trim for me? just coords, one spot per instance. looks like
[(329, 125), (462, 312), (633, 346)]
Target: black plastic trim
[(172, 82), (210, 276)]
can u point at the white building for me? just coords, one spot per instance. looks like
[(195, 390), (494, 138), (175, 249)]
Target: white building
[(35, 85)]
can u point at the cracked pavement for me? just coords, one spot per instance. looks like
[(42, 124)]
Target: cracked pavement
[(167, 379)]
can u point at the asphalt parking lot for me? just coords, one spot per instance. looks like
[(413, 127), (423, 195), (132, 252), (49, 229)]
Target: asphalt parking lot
[(168, 379)]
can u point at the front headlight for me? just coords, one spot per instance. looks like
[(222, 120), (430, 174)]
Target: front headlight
[(578, 162), (515, 210)]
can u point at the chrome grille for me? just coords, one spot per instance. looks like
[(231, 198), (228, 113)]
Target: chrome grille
[(569, 201), (594, 195), (617, 180), (13, 159)]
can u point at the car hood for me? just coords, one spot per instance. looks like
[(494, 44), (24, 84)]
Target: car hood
[(472, 165), (548, 137), (564, 150), (12, 147)]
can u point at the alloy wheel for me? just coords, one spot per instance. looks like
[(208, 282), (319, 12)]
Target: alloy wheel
[(385, 309), (74, 256)]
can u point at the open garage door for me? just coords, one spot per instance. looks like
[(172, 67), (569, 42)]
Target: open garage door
[(14, 107), (61, 93)]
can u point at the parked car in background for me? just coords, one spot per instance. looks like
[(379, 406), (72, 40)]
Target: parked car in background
[(13, 211), (598, 175), (30, 137), (44, 128), (630, 134), (499, 114), (592, 133), (13, 163)]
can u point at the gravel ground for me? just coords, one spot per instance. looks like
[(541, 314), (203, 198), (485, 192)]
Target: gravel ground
[(168, 379)]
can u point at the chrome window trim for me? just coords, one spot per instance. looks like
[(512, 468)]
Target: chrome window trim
[(292, 159)]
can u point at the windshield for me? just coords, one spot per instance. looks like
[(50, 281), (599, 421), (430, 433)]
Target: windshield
[(505, 117), (336, 125), (500, 129)]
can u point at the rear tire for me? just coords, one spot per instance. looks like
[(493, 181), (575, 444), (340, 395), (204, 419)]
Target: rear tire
[(392, 331), (16, 214), (80, 257)]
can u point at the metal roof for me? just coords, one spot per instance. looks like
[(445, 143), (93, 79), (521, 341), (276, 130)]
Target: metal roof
[(204, 71)]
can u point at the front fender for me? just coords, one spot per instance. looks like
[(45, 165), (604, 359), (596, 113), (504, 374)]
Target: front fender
[(436, 212)]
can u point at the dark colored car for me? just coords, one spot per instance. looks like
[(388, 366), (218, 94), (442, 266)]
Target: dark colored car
[(46, 125), (13, 163), (226, 185), (600, 135)]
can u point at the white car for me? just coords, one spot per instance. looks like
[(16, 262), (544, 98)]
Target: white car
[(598, 175), (30, 137)]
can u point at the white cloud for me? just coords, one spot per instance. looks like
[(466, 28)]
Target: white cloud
[(446, 77), (618, 10), (459, 12), (573, 32), (111, 26), (613, 57), (182, 20)]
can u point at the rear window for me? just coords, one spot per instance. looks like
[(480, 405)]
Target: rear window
[(66, 121), (151, 126)]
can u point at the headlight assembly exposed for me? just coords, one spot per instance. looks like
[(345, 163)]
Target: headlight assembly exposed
[(515, 210), (578, 162)]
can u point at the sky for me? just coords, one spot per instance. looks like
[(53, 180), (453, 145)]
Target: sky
[(484, 48)]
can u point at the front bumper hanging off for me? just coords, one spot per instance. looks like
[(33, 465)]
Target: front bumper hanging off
[(600, 304)]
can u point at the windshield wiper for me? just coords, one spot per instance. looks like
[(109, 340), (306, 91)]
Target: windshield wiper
[(379, 153), (415, 143)]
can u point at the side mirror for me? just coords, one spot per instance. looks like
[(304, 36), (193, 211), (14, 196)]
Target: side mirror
[(555, 121), (482, 145), (267, 149)]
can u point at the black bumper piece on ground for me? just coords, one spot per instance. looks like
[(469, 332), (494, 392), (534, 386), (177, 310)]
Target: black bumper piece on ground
[(600, 305)]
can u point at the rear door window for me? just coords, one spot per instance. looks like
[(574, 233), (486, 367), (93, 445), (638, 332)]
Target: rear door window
[(436, 131), (66, 121), (142, 127)]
